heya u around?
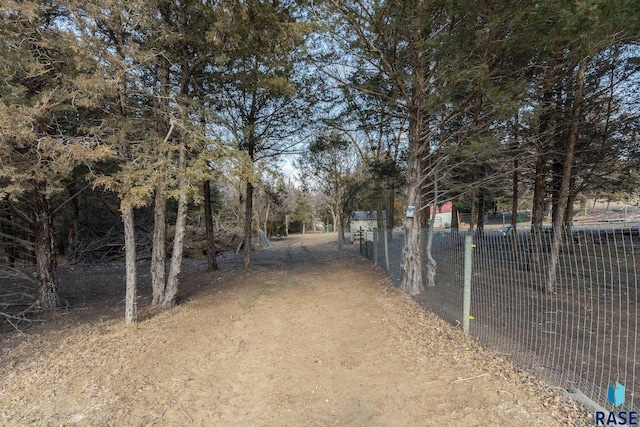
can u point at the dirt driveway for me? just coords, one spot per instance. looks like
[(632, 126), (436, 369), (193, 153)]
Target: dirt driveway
[(311, 336)]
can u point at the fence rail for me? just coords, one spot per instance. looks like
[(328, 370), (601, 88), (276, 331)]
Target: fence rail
[(582, 334)]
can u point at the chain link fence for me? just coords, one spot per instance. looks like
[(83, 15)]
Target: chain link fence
[(581, 334)]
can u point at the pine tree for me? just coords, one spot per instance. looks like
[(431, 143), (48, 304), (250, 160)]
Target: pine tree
[(328, 159), (46, 107), (260, 96)]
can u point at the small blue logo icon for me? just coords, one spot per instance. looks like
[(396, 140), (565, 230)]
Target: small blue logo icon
[(615, 394)]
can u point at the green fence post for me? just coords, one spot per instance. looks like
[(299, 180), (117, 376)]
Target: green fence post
[(466, 301)]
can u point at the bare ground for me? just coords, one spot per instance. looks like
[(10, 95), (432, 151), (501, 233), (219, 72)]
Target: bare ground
[(311, 336)]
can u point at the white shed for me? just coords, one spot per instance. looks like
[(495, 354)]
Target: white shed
[(364, 221)]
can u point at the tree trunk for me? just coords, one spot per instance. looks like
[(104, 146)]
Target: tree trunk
[(164, 129), (340, 229), (514, 196), (455, 223), (72, 236), (558, 228), (515, 256), (212, 264), (159, 250), (286, 225), (248, 217), (539, 190), (7, 229), (412, 282), (171, 291), (571, 199), (474, 210), (583, 205), (540, 184), (131, 297), (266, 221), (481, 209), (380, 206), (556, 182), (412, 252), (432, 265), (431, 214), (44, 246), (391, 217), (334, 216)]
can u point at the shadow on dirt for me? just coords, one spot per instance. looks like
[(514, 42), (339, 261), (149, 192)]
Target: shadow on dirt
[(94, 293)]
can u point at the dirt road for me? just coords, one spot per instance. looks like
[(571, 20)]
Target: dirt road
[(311, 336)]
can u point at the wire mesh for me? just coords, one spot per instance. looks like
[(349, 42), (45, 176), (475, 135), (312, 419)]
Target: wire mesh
[(570, 315)]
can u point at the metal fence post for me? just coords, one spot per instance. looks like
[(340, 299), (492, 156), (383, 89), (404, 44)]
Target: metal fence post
[(360, 240), (466, 302)]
